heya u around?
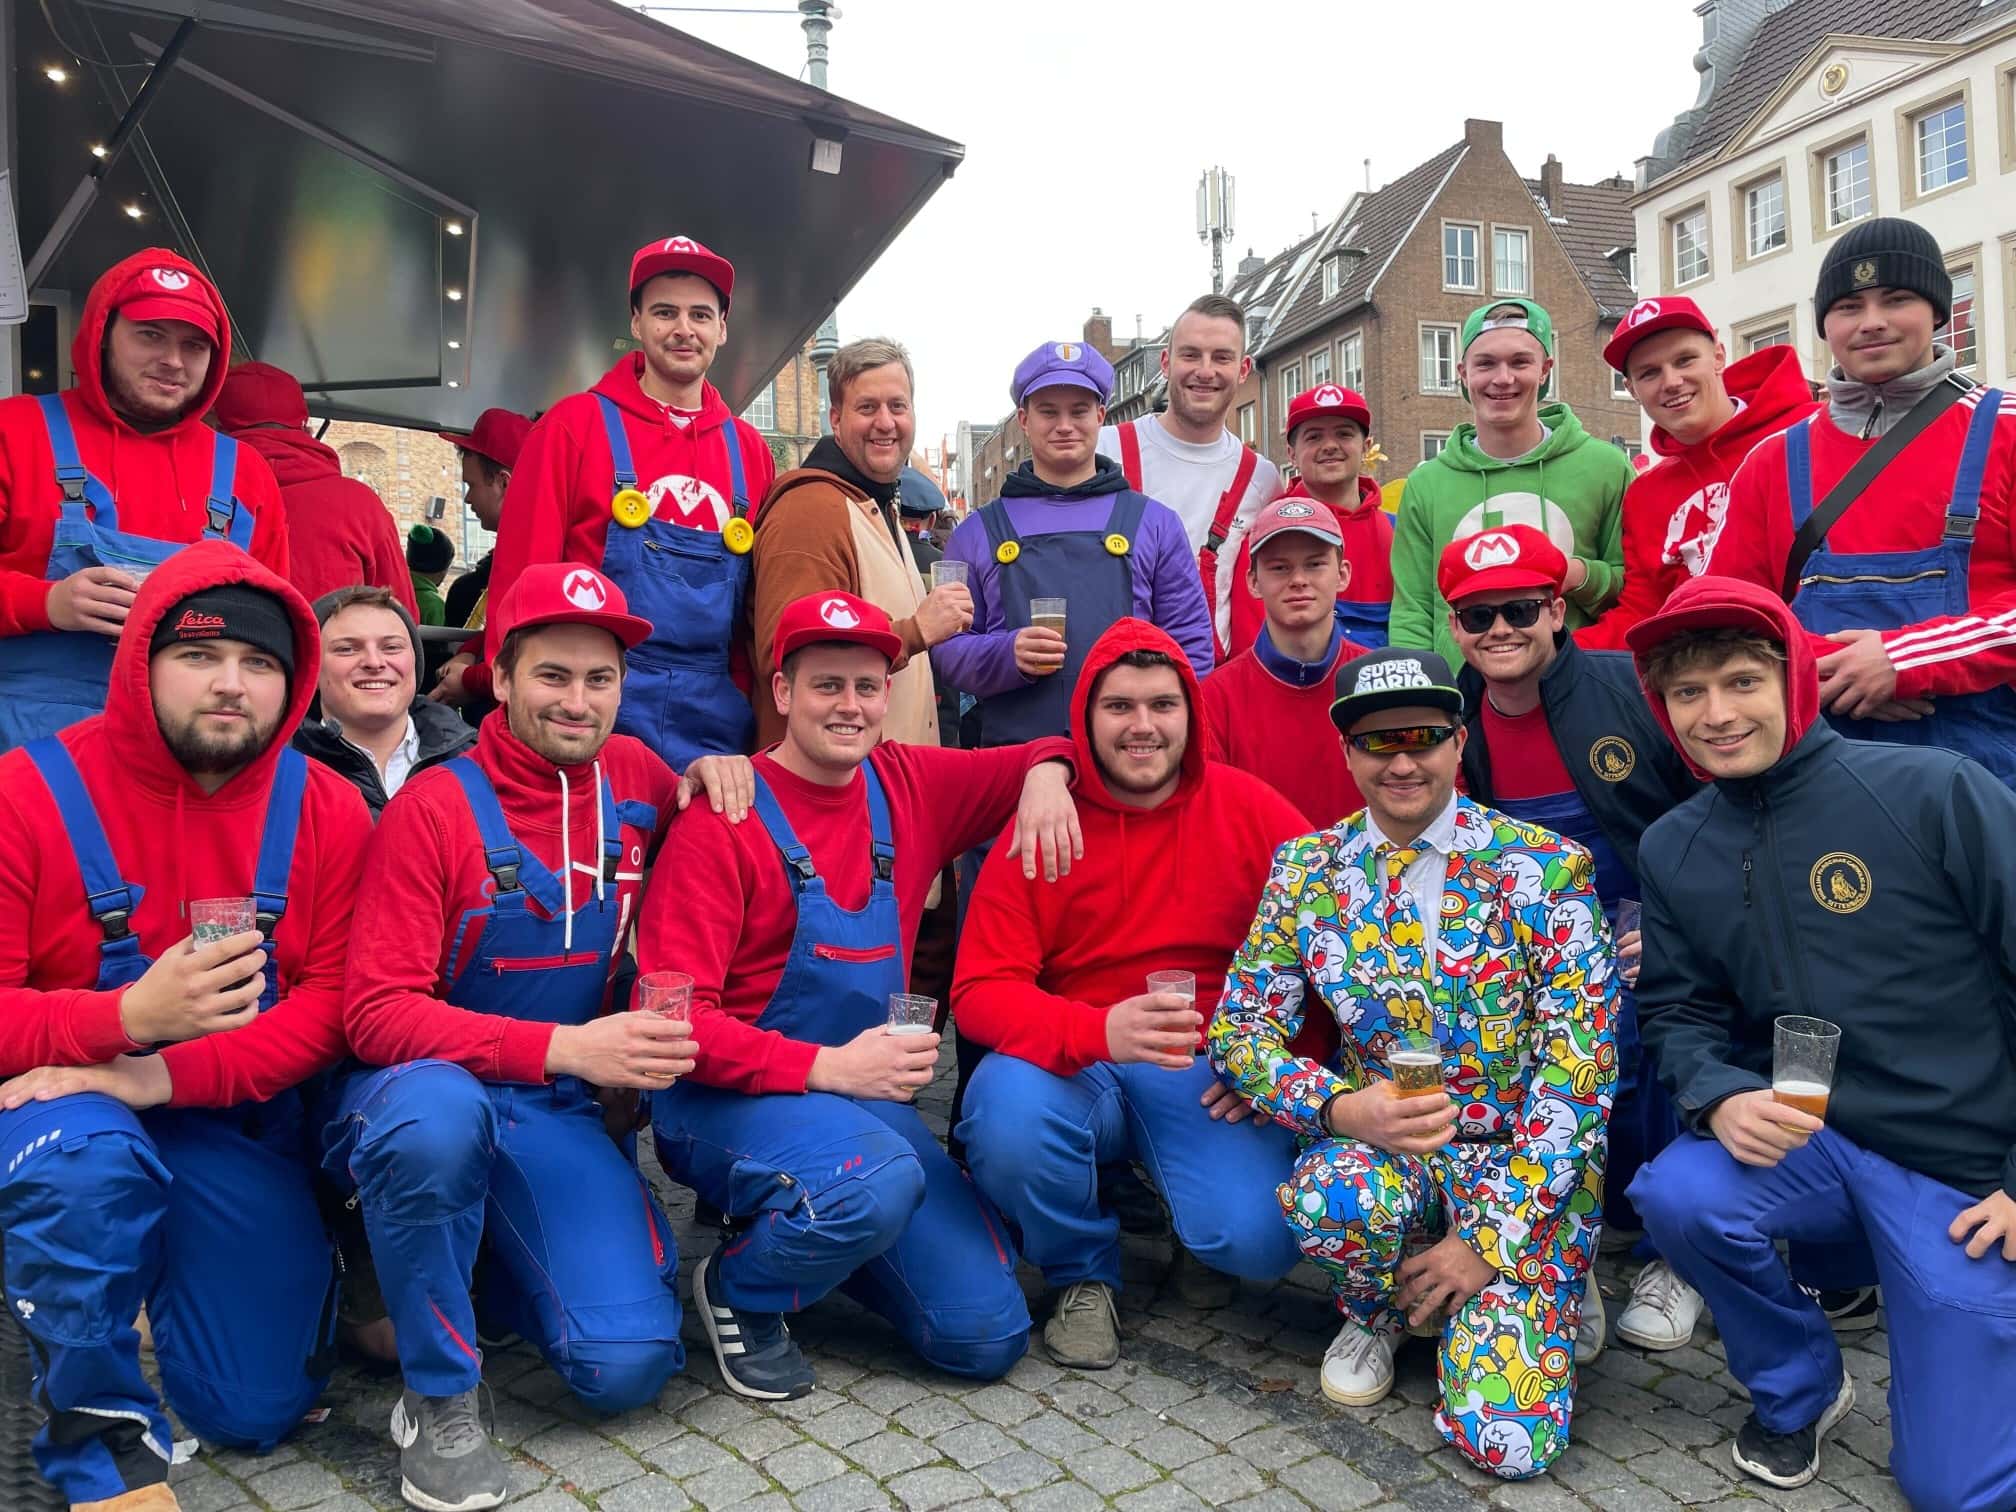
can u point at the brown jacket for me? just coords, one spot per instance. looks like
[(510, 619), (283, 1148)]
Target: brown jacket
[(817, 532)]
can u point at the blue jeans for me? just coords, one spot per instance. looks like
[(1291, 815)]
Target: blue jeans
[(1036, 1140), (1952, 1319)]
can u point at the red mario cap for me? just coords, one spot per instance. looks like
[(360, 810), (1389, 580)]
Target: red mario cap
[(1648, 317), (1328, 400), (498, 434), (833, 616), (567, 593), (682, 254), (1511, 556), (165, 292)]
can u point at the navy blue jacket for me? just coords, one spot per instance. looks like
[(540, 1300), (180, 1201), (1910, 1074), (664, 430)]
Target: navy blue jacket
[(1872, 885), (1624, 767)]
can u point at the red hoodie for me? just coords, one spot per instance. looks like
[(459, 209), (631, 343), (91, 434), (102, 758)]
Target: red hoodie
[(1368, 547), (1904, 509), (1675, 510), (161, 479), (1172, 888), (557, 508), (175, 842), (720, 907), (425, 872), (339, 533), (1711, 598)]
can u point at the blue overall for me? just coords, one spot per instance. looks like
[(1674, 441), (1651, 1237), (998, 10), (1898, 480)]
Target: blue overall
[(443, 1163), (1098, 586), (207, 1216), (1888, 589), (1952, 1319), (53, 678), (1364, 623), (842, 1191), (678, 696)]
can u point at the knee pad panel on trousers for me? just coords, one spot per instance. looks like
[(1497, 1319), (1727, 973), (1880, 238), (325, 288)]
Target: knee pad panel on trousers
[(1675, 1193), (616, 1375), (82, 1192), (976, 1359), (227, 1413), (425, 1144)]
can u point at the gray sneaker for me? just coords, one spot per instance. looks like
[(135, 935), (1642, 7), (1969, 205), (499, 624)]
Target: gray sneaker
[(446, 1460), (1084, 1331)]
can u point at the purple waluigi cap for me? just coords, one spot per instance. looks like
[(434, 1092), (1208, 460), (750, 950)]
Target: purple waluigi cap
[(1062, 362)]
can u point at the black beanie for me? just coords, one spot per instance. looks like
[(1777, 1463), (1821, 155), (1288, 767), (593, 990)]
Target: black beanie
[(1886, 253), (230, 611), (428, 549)]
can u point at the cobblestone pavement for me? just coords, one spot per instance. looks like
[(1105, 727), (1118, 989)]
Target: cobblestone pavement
[(1206, 1409)]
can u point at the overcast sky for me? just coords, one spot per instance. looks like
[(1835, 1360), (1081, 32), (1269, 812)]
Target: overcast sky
[(1086, 125)]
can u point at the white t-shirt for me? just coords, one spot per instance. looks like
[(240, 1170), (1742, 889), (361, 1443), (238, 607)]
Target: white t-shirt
[(1191, 477)]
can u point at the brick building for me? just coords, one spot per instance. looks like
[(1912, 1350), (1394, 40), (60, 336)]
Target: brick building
[(1375, 301)]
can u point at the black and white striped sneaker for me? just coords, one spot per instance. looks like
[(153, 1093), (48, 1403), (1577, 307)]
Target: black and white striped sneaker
[(756, 1353), (1850, 1310)]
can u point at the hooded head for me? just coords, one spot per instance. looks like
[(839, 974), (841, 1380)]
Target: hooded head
[(258, 393), (1127, 727), (155, 285), (1730, 676), (131, 723)]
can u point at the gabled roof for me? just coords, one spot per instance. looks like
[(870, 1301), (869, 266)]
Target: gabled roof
[(1369, 232), (1592, 221), (1784, 39)]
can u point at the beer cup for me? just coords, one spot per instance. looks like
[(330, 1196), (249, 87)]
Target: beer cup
[(1802, 1062), (1181, 984), (1416, 1064), (911, 1013), (214, 919), (947, 570), (669, 994)]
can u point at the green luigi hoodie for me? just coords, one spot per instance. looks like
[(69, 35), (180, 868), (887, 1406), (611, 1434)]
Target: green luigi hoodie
[(1571, 486)]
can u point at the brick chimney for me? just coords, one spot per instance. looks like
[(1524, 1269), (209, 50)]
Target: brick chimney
[(1099, 333), (1550, 183), (1485, 136)]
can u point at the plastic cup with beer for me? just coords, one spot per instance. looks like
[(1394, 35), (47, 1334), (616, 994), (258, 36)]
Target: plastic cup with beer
[(1802, 1062), (1047, 614), (1181, 984), (669, 994), (911, 1013), (1416, 1063), (948, 570), (214, 919)]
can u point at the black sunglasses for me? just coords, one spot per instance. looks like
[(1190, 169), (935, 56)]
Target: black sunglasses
[(1520, 614), (1412, 739)]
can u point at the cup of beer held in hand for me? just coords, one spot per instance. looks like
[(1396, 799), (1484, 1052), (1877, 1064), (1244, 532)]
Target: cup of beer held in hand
[(1416, 1063), (669, 994), (911, 1013), (1802, 1062), (1181, 984)]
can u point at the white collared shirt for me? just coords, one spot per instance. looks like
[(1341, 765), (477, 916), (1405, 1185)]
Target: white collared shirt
[(1426, 878), (399, 765)]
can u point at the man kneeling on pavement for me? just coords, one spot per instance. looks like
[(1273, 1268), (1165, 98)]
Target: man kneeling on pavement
[(1444, 934)]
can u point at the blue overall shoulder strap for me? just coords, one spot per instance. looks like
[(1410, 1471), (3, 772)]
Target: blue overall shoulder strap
[(881, 837), (225, 520), (514, 868), (276, 842), (797, 860), (110, 898), (1000, 529), (1963, 513), (612, 832), (1799, 470), (1126, 516), (78, 486), (738, 485), (619, 443)]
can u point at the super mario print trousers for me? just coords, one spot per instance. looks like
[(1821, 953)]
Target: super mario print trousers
[(1507, 1365), (209, 1218)]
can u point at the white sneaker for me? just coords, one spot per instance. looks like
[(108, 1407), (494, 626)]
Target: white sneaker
[(1358, 1366), (1663, 1310), (1595, 1329)]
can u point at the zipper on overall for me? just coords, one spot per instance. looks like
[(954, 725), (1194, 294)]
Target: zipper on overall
[(1803, 987)]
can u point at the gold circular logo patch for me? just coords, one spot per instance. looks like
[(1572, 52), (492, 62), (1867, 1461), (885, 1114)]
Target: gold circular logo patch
[(1865, 274), (1833, 79), (1612, 758), (1841, 883)]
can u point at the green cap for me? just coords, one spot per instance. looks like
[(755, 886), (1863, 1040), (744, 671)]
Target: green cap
[(1531, 318)]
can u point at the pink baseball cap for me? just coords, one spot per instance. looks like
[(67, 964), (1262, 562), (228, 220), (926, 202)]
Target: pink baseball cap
[(1296, 513)]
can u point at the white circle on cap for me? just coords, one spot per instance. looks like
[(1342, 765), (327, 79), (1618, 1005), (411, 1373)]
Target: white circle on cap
[(1294, 512), (1644, 310), (170, 278), (1329, 396), (1494, 548), (840, 614), (584, 590), (1067, 351), (681, 244)]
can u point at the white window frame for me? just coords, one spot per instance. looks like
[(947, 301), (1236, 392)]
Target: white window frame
[(1955, 106), (1318, 364), (1620, 385), (1700, 242), (1351, 361), (1833, 207), (1750, 191), (1333, 276), (1431, 383), (767, 400), (1439, 440), (1968, 267), (1291, 384), (1500, 285), (1476, 283), (1249, 422)]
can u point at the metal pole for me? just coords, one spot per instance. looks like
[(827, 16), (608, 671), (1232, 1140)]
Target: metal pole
[(1217, 262), (818, 24), (86, 192)]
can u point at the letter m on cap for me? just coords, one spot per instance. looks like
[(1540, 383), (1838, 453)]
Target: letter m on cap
[(1492, 549)]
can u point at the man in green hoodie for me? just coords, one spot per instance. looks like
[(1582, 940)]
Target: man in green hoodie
[(1520, 462)]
